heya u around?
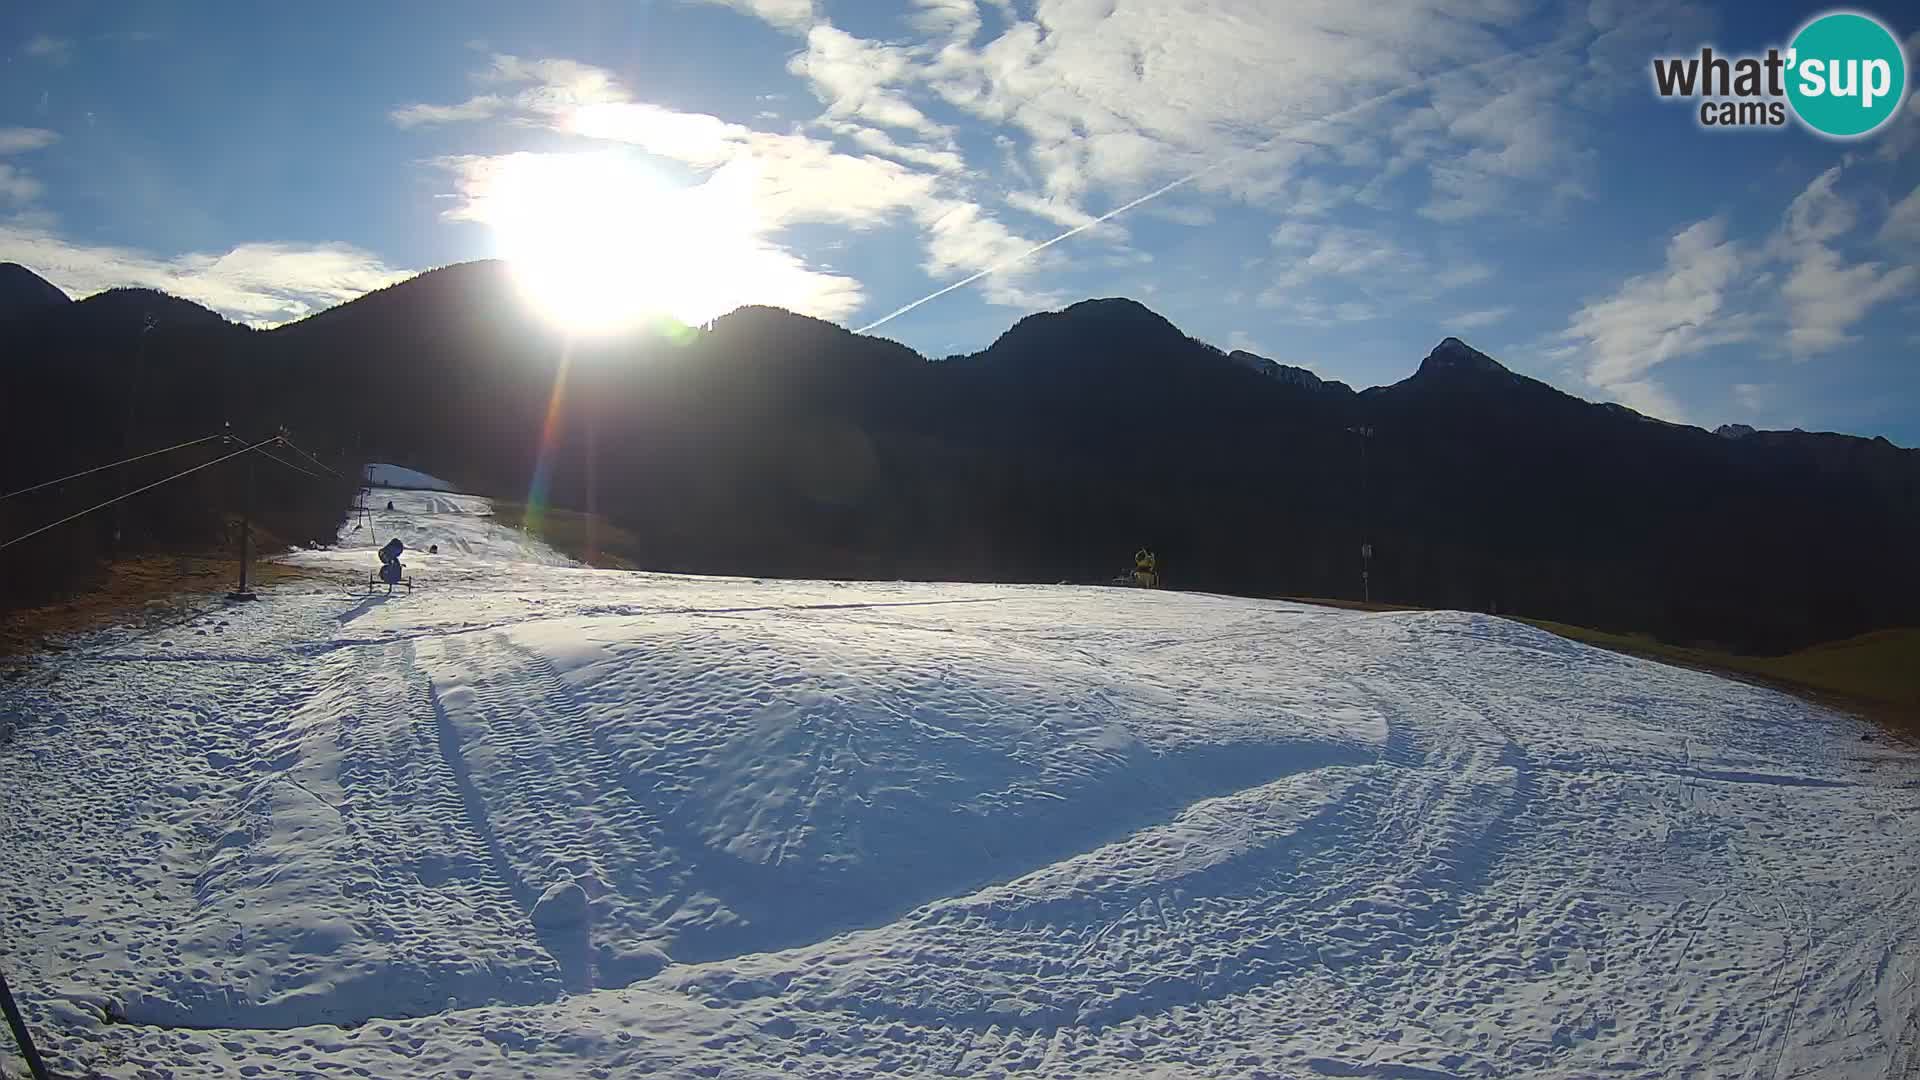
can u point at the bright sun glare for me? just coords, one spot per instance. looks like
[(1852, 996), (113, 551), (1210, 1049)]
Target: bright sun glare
[(599, 243)]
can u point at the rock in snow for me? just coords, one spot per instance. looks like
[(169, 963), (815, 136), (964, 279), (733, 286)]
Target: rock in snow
[(563, 905)]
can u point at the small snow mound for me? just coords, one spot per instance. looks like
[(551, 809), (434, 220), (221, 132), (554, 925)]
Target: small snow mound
[(563, 905), (397, 476)]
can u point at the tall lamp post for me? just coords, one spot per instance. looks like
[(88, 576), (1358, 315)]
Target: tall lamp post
[(1366, 516), (133, 399)]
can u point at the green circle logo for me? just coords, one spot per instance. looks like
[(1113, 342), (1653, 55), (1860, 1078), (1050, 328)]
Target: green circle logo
[(1846, 74)]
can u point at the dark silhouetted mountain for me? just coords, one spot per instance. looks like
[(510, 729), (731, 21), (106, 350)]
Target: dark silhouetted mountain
[(23, 291), (1286, 373), (773, 444)]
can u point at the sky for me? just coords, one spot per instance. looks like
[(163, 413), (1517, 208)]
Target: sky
[(1331, 184)]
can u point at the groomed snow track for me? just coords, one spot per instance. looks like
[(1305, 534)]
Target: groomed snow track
[(845, 830)]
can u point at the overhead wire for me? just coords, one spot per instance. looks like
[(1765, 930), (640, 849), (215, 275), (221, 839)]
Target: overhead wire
[(288, 443), (111, 465), (290, 465), (135, 491)]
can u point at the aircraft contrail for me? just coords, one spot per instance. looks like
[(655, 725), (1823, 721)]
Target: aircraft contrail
[(1293, 132)]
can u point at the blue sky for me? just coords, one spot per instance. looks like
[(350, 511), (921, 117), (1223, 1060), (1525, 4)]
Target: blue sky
[(1372, 177)]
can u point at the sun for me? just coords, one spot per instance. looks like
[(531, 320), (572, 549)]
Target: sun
[(600, 243)]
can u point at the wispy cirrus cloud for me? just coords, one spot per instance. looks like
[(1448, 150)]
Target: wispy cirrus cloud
[(1092, 105), (1374, 271), (17, 140), (17, 186), (1825, 293), (1902, 226), (479, 107), (854, 77), (46, 47), (1475, 320), (1678, 311), (792, 16), (1795, 292)]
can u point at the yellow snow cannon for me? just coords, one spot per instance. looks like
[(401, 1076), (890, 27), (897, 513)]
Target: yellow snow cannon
[(1146, 574)]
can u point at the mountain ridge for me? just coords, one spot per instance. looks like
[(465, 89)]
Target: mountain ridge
[(1450, 355), (777, 445), (23, 291)]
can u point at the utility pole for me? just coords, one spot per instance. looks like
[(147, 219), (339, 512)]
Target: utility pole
[(1366, 516), (133, 400), (19, 1025), (246, 537)]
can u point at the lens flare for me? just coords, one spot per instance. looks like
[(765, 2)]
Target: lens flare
[(600, 243), (540, 490)]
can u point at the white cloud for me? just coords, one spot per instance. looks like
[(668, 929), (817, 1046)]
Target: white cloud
[(479, 107), (946, 161), (51, 49), (1650, 319), (1902, 227), (955, 20), (16, 186), (853, 76), (1337, 250), (18, 140), (1460, 273), (1066, 215), (1312, 311), (793, 16), (1797, 287), (1824, 293), (1752, 397), (1383, 270), (261, 284), (791, 178), (1313, 197), (963, 239), (1628, 33), (1473, 320), (1120, 95), (797, 178), (1499, 115), (1825, 296)]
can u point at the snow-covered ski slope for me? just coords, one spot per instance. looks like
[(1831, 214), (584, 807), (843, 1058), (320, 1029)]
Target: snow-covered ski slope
[(399, 476), (539, 820), (461, 526)]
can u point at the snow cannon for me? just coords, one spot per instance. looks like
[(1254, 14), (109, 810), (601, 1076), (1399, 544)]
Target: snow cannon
[(391, 572), (1146, 569)]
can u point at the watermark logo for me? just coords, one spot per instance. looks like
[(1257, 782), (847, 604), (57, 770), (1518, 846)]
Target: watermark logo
[(1843, 75)]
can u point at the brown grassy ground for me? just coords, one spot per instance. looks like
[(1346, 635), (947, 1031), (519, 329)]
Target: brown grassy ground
[(1875, 675), (587, 537), (1349, 605), (140, 591)]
